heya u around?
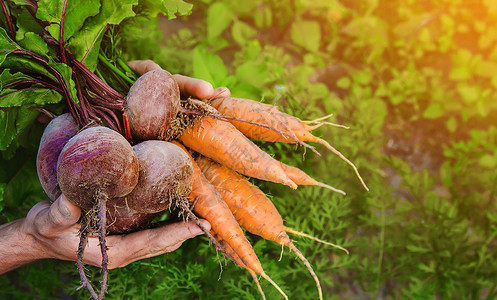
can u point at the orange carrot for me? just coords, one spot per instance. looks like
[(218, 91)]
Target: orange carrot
[(301, 178), (222, 142), (251, 208), (210, 206), (269, 115)]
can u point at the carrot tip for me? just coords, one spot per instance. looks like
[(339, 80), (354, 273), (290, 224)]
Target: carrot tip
[(309, 267), (254, 276), (330, 187), (265, 276), (327, 145), (293, 231)]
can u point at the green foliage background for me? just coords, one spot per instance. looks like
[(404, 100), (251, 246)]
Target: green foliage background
[(416, 81)]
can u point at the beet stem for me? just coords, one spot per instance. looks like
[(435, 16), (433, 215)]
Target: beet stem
[(83, 240), (12, 32), (61, 38), (101, 201)]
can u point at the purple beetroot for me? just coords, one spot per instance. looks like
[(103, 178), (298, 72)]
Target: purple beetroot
[(54, 138), (165, 176), (96, 165), (153, 101)]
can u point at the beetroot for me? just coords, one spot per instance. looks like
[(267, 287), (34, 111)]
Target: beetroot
[(96, 160), (153, 101), (122, 219), (94, 166), (54, 138), (165, 175)]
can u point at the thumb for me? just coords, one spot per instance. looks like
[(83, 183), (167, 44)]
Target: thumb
[(62, 213)]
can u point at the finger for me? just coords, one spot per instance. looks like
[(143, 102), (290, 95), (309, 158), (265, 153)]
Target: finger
[(143, 66), (192, 87), (59, 216), (125, 249), (221, 92)]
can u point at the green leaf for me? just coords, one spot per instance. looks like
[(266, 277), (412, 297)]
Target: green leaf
[(85, 44), (75, 15), (242, 32), (208, 66), (7, 45), (252, 73), (487, 161), (469, 93), (177, 7), (411, 26), (25, 23), (451, 124), (344, 83), (6, 77), (7, 127), (306, 34), (418, 249), (16, 62), (66, 73), (170, 8), (34, 43), (25, 117), (35, 96), (219, 17), (427, 268), (460, 73), (433, 111)]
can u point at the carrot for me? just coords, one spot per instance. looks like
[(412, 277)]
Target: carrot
[(251, 208), (222, 142), (231, 254), (253, 111), (301, 178), (210, 206)]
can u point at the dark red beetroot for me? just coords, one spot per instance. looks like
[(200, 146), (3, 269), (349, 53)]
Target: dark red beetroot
[(122, 219), (153, 101), (94, 166), (54, 138), (97, 159), (165, 176)]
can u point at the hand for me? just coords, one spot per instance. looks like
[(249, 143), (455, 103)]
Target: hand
[(51, 231), (188, 86)]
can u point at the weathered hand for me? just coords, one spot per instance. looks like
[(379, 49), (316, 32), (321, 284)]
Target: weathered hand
[(51, 231)]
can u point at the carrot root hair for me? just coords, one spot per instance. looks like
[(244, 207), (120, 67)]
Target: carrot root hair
[(254, 276), (265, 276), (330, 187), (188, 213), (327, 145), (292, 231), (309, 267), (318, 119), (316, 126)]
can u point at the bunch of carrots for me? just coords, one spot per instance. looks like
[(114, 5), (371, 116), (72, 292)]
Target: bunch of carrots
[(218, 141)]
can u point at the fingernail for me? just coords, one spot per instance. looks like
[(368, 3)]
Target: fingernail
[(63, 209), (223, 90)]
